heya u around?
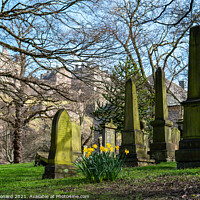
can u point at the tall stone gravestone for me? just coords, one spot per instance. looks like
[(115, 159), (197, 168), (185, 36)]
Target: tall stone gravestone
[(162, 149), (60, 155), (108, 134), (188, 155), (132, 136)]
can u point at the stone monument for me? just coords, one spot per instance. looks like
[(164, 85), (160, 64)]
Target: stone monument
[(176, 137), (118, 139), (188, 155), (108, 134), (60, 155), (132, 136), (76, 141), (162, 149), (146, 137)]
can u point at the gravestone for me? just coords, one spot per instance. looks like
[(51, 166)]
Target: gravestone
[(76, 141), (162, 149), (146, 138), (188, 155), (132, 136), (60, 155), (108, 134), (118, 139), (176, 137)]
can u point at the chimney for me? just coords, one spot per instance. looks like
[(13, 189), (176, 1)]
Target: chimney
[(182, 84)]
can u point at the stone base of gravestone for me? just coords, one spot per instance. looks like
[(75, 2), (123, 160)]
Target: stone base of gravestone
[(188, 155), (162, 152), (58, 171), (162, 149), (137, 151)]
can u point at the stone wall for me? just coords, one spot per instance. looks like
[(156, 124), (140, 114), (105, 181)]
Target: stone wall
[(175, 113)]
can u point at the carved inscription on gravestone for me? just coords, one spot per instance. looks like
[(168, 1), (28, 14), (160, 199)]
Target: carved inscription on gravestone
[(108, 134)]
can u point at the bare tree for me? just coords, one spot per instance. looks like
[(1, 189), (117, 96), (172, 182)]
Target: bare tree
[(151, 33)]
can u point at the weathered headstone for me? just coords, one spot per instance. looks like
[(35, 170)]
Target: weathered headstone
[(162, 149), (188, 155), (118, 139), (60, 155), (108, 134), (146, 138), (176, 137), (76, 141), (132, 136)]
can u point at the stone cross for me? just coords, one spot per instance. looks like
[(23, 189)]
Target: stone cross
[(162, 149), (60, 155), (189, 148), (132, 136)]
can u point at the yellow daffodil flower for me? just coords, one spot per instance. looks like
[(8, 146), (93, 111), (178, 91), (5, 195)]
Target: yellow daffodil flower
[(88, 155), (117, 147), (102, 148), (94, 146), (106, 149), (126, 151), (108, 145), (111, 148), (90, 150), (85, 150)]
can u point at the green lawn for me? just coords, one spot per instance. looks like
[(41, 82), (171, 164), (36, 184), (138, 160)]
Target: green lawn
[(161, 181)]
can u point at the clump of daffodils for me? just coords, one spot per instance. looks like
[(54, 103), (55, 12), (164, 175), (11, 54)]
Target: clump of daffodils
[(102, 165)]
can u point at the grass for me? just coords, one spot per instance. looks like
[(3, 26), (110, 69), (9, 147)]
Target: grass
[(162, 181)]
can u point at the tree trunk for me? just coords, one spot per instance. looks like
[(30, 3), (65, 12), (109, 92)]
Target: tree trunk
[(17, 144)]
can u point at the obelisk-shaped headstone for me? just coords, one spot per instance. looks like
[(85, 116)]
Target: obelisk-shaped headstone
[(132, 136), (162, 149), (60, 155), (188, 155)]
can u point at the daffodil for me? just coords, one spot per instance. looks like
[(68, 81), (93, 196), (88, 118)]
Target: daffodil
[(95, 146), (106, 149), (111, 148), (108, 145), (126, 151), (117, 147), (85, 150), (102, 148), (90, 150), (88, 155)]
